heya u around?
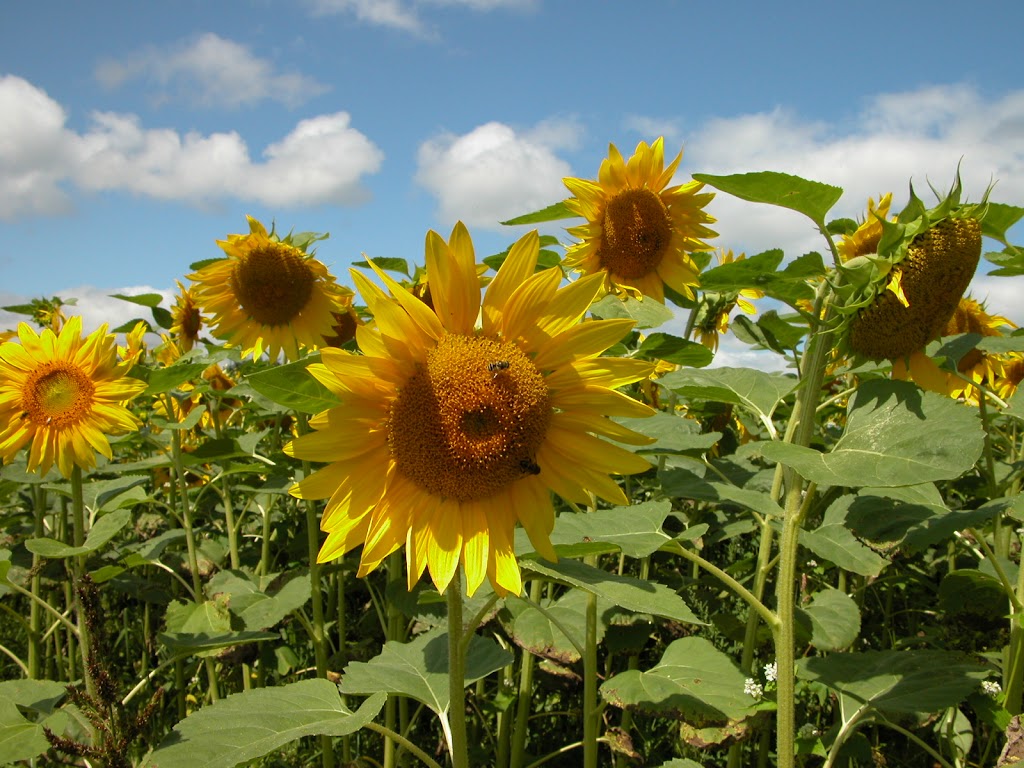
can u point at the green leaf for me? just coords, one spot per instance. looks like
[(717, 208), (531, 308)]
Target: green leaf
[(647, 314), (20, 739), (898, 681), (693, 681), (1015, 405), (971, 592), (261, 602), (811, 198), (193, 417), (534, 631), (253, 723), (664, 346), (839, 546), (105, 528), (419, 668), (835, 619), (40, 695), (160, 380), (896, 435), (999, 217), (554, 212), (757, 391), (674, 434), (390, 264), (142, 299), (682, 483), (624, 591), (292, 386), (733, 277), (203, 628), (635, 530), (1010, 261)]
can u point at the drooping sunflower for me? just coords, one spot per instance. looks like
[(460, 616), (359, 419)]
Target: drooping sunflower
[(977, 368), (64, 395), (639, 232), (712, 318), (186, 319), (899, 298), (451, 429), (268, 295)]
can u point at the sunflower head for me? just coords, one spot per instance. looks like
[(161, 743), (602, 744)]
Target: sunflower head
[(895, 301), (268, 295), (63, 395), (186, 319), (461, 416), (639, 232), (713, 310), (346, 320)]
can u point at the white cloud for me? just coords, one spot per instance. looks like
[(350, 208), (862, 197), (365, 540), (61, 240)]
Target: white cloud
[(322, 160), (650, 128), (96, 306), (405, 15), (212, 72), (494, 173)]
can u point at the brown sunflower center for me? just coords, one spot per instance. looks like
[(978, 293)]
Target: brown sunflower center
[(273, 283), (637, 233), (470, 421), (57, 394), (191, 321)]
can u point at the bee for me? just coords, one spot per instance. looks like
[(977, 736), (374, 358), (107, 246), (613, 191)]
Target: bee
[(529, 467), (497, 367)]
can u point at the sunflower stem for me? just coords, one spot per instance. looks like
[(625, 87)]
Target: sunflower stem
[(525, 693), (316, 597), (591, 723), (78, 539), (458, 744), (35, 619), (190, 541)]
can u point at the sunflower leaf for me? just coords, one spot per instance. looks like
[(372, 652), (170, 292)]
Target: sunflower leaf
[(160, 380), (554, 212), (626, 592), (106, 528), (896, 435), (674, 434), (251, 724), (635, 530), (391, 264), (834, 618), (693, 682), (292, 386), (897, 681), (757, 391), (647, 314), (999, 217), (672, 349), (142, 299), (419, 669), (1010, 261), (811, 198)]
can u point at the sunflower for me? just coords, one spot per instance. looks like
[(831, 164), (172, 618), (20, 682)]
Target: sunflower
[(64, 394), (346, 320), (269, 295), (639, 232), (977, 368), (864, 240), (449, 432), (897, 299), (712, 319), (135, 343), (186, 319)]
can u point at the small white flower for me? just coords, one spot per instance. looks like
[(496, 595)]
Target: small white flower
[(812, 563), (753, 688), (992, 688), (771, 672)]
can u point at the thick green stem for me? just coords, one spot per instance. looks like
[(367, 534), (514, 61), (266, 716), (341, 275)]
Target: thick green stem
[(525, 694), (458, 744), (591, 723), (35, 616), (78, 566)]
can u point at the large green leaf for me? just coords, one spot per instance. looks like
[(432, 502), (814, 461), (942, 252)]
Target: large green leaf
[(419, 668), (204, 628), (535, 631), (694, 682), (898, 681), (20, 739), (251, 724), (896, 434), (635, 530), (554, 212), (999, 217), (647, 314), (674, 434), (757, 391), (835, 542), (680, 482), (261, 602), (811, 198), (161, 380), (106, 528), (624, 591), (835, 619), (665, 346), (292, 386)]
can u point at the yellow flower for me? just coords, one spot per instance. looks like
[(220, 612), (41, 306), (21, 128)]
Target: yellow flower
[(267, 296), (449, 432), (64, 395), (186, 319), (713, 311), (864, 241), (346, 320), (135, 344), (639, 232)]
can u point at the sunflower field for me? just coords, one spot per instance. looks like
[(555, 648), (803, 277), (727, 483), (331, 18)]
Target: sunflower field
[(506, 511)]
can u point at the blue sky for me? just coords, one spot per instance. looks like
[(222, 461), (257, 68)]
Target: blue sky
[(133, 135)]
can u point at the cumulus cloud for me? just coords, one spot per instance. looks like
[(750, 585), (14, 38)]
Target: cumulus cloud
[(322, 160), (212, 72), (96, 306), (494, 173), (405, 15)]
